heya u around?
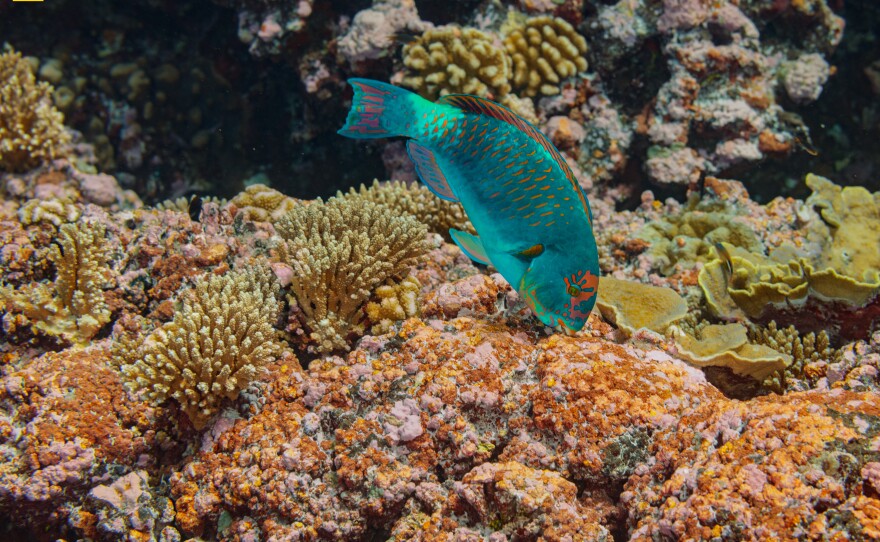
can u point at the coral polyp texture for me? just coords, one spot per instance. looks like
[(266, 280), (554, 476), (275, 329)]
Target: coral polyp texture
[(31, 128), (213, 349), (455, 60), (544, 51), (340, 252)]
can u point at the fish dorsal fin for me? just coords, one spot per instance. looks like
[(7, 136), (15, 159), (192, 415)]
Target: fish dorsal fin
[(482, 106), (470, 245), (429, 170)]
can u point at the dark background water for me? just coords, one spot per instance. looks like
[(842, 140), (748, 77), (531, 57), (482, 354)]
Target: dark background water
[(232, 115)]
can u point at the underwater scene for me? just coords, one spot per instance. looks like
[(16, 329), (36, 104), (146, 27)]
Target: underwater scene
[(461, 270)]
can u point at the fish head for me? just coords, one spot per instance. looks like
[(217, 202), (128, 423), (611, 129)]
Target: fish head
[(561, 291)]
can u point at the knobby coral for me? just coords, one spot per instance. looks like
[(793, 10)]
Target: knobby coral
[(449, 59), (74, 308), (340, 252), (31, 129), (544, 50), (213, 348), (261, 203)]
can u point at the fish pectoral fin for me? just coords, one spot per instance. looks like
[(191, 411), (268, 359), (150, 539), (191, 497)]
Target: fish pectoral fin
[(470, 245), (429, 170), (532, 252)]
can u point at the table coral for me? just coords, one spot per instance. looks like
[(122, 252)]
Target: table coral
[(632, 305), (31, 129)]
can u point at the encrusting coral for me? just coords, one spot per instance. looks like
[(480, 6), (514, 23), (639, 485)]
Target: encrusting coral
[(454, 60), (213, 348), (394, 303), (418, 200), (633, 305), (73, 309), (261, 203), (31, 129), (340, 252), (544, 51)]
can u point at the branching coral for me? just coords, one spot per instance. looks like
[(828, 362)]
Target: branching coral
[(54, 211), (74, 309), (544, 51), (341, 251), (416, 199), (451, 60), (213, 348), (803, 349), (31, 129)]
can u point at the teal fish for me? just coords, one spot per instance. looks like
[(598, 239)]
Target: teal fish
[(533, 220)]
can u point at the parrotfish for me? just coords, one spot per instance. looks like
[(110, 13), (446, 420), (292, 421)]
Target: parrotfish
[(533, 220)]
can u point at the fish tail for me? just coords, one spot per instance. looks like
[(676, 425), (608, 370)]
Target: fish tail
[(377, 110)]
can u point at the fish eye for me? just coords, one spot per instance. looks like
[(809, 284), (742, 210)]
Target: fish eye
[(573, 290)]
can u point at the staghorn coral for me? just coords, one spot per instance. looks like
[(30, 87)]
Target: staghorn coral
[(394, 302), (544, 51), (340, 252), (213, 348), (418, 200), (31, 129), (263, 204), (73, 309), (453, 60)]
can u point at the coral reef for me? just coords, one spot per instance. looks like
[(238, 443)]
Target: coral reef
[(244, 361), (214, 348), (31, 128), (340, 252)]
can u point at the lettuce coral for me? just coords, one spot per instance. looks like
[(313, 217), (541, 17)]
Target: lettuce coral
[(340, 252), (213, 348), (841, 281), (31, 129)]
